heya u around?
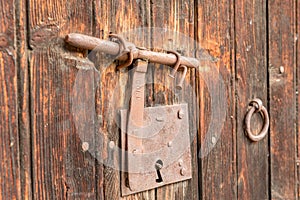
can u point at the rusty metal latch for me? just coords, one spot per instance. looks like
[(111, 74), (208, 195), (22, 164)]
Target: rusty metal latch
[(155, 140), (114, 48)]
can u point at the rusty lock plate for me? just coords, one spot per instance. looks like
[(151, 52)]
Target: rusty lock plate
[(157, 153), (155, 141)]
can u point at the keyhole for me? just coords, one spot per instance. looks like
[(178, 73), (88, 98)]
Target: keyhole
[(158, 165)]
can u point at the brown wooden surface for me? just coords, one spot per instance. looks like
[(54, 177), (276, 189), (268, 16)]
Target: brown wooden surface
[(9, 156), (251, 82), (177, 16), (282, 99), (23, 100), (215, 34), (297, 51), (63, 165), (59, 113)]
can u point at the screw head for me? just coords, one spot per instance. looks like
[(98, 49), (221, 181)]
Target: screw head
[(180, 163), (180, 114), (111, 144), (213, 140), (159, 119), (182, 171), (281, 69), (134, 151), (85, 146)]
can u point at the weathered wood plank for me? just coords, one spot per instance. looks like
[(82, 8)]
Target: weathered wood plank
[(176, 17), (120, 17), (10, 165), (62, 100), (215, 34), (297, 46), (251, 82), (63, 127), (282, 81), (9, 155), (23, 99), (48, 20)]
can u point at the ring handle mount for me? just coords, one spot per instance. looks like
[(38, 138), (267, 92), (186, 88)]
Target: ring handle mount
[(257, 106)]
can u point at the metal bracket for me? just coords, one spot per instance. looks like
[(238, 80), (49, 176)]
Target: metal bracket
[(155, 141), (164, 140)]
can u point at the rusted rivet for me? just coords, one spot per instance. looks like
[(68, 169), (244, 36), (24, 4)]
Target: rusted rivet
[(180, 114), (170, 144), (159, 119), (182, 171), (85, 146), (213, 140), (281, 69), (111, 144), (180, 163), (134, 151)]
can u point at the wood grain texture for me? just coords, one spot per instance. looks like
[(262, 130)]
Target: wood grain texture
[(297, 47), (10, 165), (23, 99), (282, 98), (215, 34), (63, 127), (176, 16), (251, 82), (62, 102), (58, 113), (9, 138)]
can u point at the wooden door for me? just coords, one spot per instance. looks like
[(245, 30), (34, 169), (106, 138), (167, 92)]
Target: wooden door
[(58, 113)]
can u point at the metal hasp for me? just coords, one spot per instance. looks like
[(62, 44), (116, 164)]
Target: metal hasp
[(155, 139), (114, 48)]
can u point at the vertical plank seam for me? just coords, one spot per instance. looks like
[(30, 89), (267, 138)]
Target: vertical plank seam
[(93, 21), (18, 65), (297, 86), (18, 44), (268, 98), (196, 15), (27, 26), (235, 96), (296, 70), (232, 17), (30, 105), (96, 168)]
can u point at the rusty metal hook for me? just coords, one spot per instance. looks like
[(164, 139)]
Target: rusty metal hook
[(177, 64), (179, 85), (123, 49), (257, 106), (128, 62), (122, 42)]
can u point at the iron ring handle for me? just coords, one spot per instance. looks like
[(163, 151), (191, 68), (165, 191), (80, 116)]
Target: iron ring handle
[(257, 106)]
